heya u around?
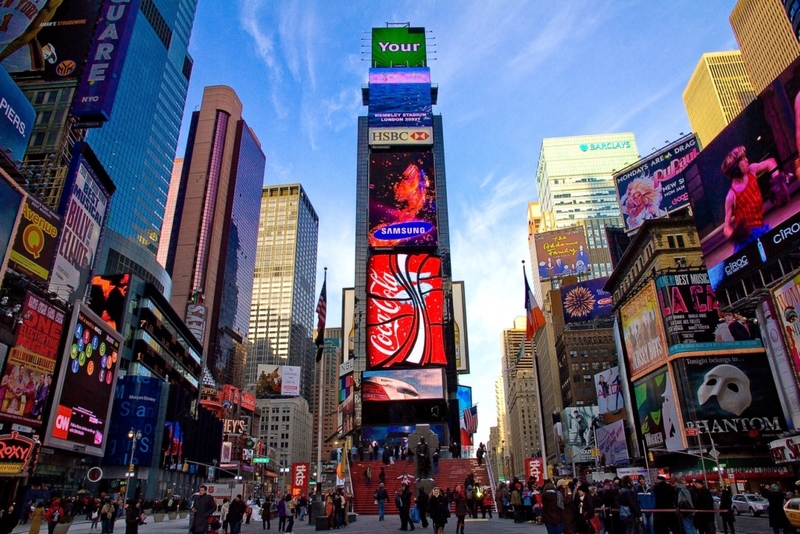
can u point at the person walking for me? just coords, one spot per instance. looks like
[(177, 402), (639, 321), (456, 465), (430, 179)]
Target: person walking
[(53, 515), (382, 476), (8, 520), (460, 503), (569, 504), (289, 515), (704, 506), (266, 513), (202, 508), (726, 510), (133, 516), (422, 506), (380, 497), (236, 511), (685, 506), (479, 454), (584, 510), (283, 511), (665, 520), (38, 515), (303, 507), (631, 520), (368, 475), (439, 510), (777, 517), (552, 509), (405, 509), (223, 514), (486, 503)]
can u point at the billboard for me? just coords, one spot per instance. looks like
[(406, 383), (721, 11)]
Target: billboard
[(346, 403), (743, 187), (612, 444), (94, 98), (136, 401), (689, 307), (349, 322), (655, 186), (10, 214), (404, 311), (609, 391), (398, 47), (301, 473), (643, 332), (577, 425), (534, 468), (464, 394), (35, 245), (787, 300), (28, 373), (460, 328), (108, 296), (84, 208), (400, 136), (85, 385), (402, 384), (730, 396), (562, 252), (658, 411), (47, 41), (400, 98), (398, 434), (402, 200), (18, 117), (586, 300), (277, 380)]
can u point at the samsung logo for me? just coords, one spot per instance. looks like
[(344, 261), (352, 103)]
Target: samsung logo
[(605, 146), (403, 230)]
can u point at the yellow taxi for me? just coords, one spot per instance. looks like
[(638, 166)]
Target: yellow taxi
[(792, 509)]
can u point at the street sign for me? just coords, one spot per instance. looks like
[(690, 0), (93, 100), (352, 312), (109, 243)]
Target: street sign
[(691, 432), (714, 453), (262, 460)]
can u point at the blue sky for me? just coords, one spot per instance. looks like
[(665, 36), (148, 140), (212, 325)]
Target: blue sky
[(509, 74)]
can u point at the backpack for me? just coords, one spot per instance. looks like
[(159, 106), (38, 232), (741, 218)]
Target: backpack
[(55, 516), (398, 501), (684, 503)]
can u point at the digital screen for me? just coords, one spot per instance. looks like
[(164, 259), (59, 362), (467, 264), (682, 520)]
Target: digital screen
[(585, 301), (402, 200), (398, 434), (562, 252), (406, 413), (400, 98), (460, 328), (787, 300), (464, 394), (398, 47), (404, 311), (402, 384), (108, 296), (609, 391), (136, 404)]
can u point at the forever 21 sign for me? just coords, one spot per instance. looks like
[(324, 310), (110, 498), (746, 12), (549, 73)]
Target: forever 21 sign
[(15, 453)]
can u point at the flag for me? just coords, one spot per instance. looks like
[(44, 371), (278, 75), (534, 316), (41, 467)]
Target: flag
[(534, 312), (471, 420), (322, 310), (520, 352)]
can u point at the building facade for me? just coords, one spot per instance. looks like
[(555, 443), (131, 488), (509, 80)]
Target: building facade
[(286, 427), (282, 308), (169, 212), (717, 92), (326, 384)]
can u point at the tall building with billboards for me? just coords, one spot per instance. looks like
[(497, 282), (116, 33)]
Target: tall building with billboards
[(326, 375), (717, 92), (766, 39), (216, 225), (282, 309)]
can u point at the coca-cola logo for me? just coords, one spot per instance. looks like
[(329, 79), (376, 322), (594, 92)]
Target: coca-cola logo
[(404, 310)]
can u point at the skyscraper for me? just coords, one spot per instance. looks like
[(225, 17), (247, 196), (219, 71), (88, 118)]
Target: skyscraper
[(282, 310), (332, 356), (717, 92), (213, 243), (766, 39), (169, 213)]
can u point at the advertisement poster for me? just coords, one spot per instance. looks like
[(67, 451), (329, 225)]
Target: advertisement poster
[(16, 131), (404, 311), (402, 384), (36, 241), (399, 47), (464, 394), (658, 411), (732, 396), (743, 187), (609, 391), (534, 468), (562, 252), (689, 307), (301, 473), (85, 387), (585, 301), (59, 45), (787, 299), (655, 186), (643, 332), (402, 200), (108, 296), (10, 215), (84, 207), (400, 98), (274, 380), (577, 425), (460, 328), (136, 401), (612, 444), (28, 373)]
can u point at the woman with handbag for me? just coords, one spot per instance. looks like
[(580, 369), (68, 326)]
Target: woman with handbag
[(584, 511)]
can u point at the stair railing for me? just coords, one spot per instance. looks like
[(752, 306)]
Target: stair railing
[(493, 485)]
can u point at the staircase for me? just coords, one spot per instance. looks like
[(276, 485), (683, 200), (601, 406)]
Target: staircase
[(451, 473)]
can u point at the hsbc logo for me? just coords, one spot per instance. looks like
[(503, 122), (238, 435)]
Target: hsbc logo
[(401, 136), (63, 418)]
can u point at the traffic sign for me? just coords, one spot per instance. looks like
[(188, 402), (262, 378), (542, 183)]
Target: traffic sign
[(691, 432), (261, 460)]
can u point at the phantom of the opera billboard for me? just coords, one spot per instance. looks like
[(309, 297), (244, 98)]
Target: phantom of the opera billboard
[(404, 311), (402, 200), (743, 186), (562, 252)]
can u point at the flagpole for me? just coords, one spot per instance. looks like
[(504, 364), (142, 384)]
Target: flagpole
[(542, 441), (321, 392)]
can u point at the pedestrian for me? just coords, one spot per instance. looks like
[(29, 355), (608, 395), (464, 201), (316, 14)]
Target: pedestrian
[(516, 503), (38, 515), (223, 514), (726, 510), (704, 508), (387, 455), (460, 505), (439, 510), (106, 511), (53, 515), (133, 516), (665, 520), (685, 506), (289, 513), (628, 500), (479, 454), (330, 511), (552, 509), (9, 520), (248, 513), (584, 510), (266, 512), (236, 511), (422, 506), (375, 450), (202, 508), (486, 503), (405, 509), (777, 517), (382, 476), (367, 475), (569, 517), (338, 506), (282, 512), (380, 498), (303, 506), (436, 460)]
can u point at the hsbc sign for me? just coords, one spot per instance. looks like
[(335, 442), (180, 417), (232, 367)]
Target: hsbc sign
[(400, 136)]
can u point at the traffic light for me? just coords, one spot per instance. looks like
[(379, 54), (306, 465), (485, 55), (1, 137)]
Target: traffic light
[(651, 457)]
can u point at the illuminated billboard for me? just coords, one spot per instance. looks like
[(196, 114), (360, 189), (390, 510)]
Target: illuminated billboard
[(402, 200), (732, 394), (464, 394), (643, 332), (85, 385), (743, 187), (609, 391), (136, 403), (273, 380), (10, 214), (35, 244), (404, 311), (585, 301), (16, 129), (787, 299), (398, 47), (108, 297), (460, 328), (562, 252), (655, 186), (398, 434), (657, 406), (400, 98), (387, 385)]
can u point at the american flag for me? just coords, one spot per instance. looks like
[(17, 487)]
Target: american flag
[(322, 310), (471, 420)]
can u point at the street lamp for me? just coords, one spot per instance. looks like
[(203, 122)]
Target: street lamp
[(134, 436)]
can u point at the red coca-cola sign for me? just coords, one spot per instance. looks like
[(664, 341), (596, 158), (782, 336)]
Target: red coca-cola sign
[(404, 311)]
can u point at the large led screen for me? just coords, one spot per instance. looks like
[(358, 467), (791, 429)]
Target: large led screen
[(464, 394), (399, 47), (108, 297), (388, 385), (643, 332), (407, 412), (743, 186), (655, 186), (136, 404), (86, 382), (731, 395), (404, 311), (562, 252), (398, 434), (787, 298), (10, 214), (402, 200), (400, 98), (585, 301), (658, 411)]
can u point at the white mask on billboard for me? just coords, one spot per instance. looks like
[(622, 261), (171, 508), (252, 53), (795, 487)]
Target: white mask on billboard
[(731, 387)]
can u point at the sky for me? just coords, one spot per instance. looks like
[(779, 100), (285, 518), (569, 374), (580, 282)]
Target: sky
[(509, 74)]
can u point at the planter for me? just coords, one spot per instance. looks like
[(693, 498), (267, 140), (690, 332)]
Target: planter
[(62, 528), (183, 514), (158, 517), (148, 511), (172, 515)]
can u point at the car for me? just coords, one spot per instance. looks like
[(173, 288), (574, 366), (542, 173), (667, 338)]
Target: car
[(792, 509), (749, 503)]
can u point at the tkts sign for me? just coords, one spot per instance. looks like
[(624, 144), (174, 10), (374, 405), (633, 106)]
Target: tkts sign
[(300, 472), (534, 467), (404, 311), (16, 453)]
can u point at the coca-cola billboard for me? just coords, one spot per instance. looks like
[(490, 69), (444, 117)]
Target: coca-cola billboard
[(404, 311)]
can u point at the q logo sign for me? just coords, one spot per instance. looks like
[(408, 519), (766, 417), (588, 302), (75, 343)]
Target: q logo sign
[(63, 416)]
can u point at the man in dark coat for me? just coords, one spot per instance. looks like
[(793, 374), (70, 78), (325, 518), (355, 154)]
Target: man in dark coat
[(777, 517), (202, 508), (405, 509), (665, 520), (422, 506), (235, 514), (703, 520)]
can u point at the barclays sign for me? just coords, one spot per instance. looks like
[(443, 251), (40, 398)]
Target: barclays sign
[(586, 147)]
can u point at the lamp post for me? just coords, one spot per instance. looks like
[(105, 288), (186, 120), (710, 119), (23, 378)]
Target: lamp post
[(134, 436)]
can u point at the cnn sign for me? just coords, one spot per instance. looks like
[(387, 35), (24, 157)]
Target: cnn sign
[(534, 467), (300, 476)]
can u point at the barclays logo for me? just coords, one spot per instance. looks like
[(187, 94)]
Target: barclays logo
[(605, 146), (584, 147)]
